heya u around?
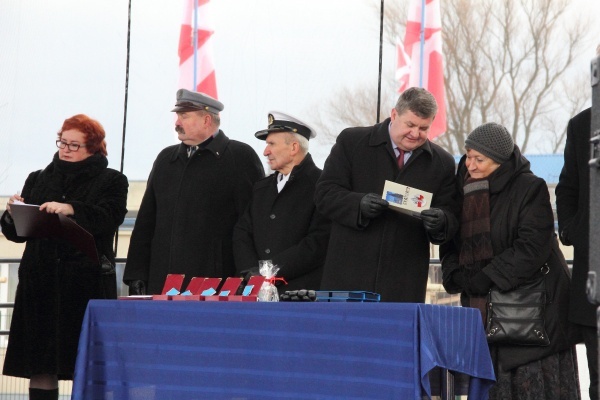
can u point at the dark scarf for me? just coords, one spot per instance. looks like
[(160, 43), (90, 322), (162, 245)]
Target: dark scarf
[(476, 249), (87, 168), (60, 177)]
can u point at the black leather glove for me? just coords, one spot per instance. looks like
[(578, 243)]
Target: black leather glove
[(298, 295), (479, 284), (372, 205), (248, 273), (459, 279), (8, 218), (434, 220), (137, 288), (106, 267)]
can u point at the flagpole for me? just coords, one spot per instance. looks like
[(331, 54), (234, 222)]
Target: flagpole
[(195, 41), (422, 38), (125, 105), (380, 61)]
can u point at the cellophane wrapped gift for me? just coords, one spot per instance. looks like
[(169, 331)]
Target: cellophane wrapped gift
[(268, 291)]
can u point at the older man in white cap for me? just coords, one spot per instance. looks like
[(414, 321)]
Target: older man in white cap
[(196, 192), (281, 223)]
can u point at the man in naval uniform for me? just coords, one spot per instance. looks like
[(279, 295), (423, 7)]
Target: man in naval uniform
[(281, 222)]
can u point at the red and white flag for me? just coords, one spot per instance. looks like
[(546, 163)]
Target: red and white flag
[(430, 75), (203, 79)]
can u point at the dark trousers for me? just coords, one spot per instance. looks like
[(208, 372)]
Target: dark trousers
[(42, 394), (590, 338)]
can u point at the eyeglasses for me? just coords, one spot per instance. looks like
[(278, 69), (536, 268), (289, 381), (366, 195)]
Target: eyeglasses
[(72, 146)]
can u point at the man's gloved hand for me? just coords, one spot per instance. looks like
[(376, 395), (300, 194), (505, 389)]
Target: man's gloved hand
[(372, 205), (248, 273), (434, 220), (137, 288), (479, 284)]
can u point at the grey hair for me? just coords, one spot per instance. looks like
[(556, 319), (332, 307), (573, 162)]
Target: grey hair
[(419, 101), (215, 118), (296, 137)]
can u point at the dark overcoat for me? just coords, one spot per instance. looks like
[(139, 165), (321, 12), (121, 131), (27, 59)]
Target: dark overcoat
[(523, 240), (390, 255), (56, 280), (186, 218), (572, 209), (285, 227)]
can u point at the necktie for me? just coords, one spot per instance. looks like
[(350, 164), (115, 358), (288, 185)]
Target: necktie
[(191, 150), (280, 182), (400, 158)]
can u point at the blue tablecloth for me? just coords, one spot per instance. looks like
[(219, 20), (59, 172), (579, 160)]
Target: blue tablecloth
[(223, 350)]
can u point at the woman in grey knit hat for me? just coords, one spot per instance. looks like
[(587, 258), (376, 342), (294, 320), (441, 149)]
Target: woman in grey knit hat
[(506, 236)]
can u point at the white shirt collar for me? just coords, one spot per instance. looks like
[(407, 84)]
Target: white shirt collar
[(281, 180)]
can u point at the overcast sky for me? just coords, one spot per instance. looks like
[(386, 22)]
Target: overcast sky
[(65, 57)]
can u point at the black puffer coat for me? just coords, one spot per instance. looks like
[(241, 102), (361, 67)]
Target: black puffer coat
[(56, 281), (523, 240)]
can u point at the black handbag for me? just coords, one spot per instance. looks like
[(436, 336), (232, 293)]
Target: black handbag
[(517, 316)]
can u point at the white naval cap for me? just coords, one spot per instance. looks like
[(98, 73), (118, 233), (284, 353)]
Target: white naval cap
[(281, 122)]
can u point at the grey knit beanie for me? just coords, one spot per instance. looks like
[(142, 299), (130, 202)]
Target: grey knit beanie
[(491, 140)]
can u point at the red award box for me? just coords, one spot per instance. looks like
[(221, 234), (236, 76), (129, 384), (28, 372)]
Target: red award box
[(251, 290), (230, 287), (196, 287), (173, 281)]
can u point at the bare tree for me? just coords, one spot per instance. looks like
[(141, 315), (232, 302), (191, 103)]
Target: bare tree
[(352, 107), (503, 65), (507, 61), (574, 101)]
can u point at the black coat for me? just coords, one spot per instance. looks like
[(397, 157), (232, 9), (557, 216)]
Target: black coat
[(186, 218), (572, 208), (391, 254), (55, 279), (285, 227), (523, 240)]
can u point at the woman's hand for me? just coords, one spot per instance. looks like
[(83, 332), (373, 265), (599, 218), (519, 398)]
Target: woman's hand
[(53, 207), (13, 198), (479, 284)]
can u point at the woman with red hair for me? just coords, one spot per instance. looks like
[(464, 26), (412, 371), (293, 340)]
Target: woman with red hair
[(56, 280)]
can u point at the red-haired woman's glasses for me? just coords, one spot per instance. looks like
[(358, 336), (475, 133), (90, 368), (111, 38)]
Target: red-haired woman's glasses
[(72, 146)]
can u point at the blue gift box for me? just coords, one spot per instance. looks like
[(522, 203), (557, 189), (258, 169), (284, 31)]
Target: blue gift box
[(341, 295)]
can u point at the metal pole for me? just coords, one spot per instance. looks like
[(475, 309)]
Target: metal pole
[(126, 99), (422, 38), (447, 389), (195, 42), (380, 61)]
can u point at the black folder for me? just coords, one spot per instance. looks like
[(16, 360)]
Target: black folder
[(33, 223)]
